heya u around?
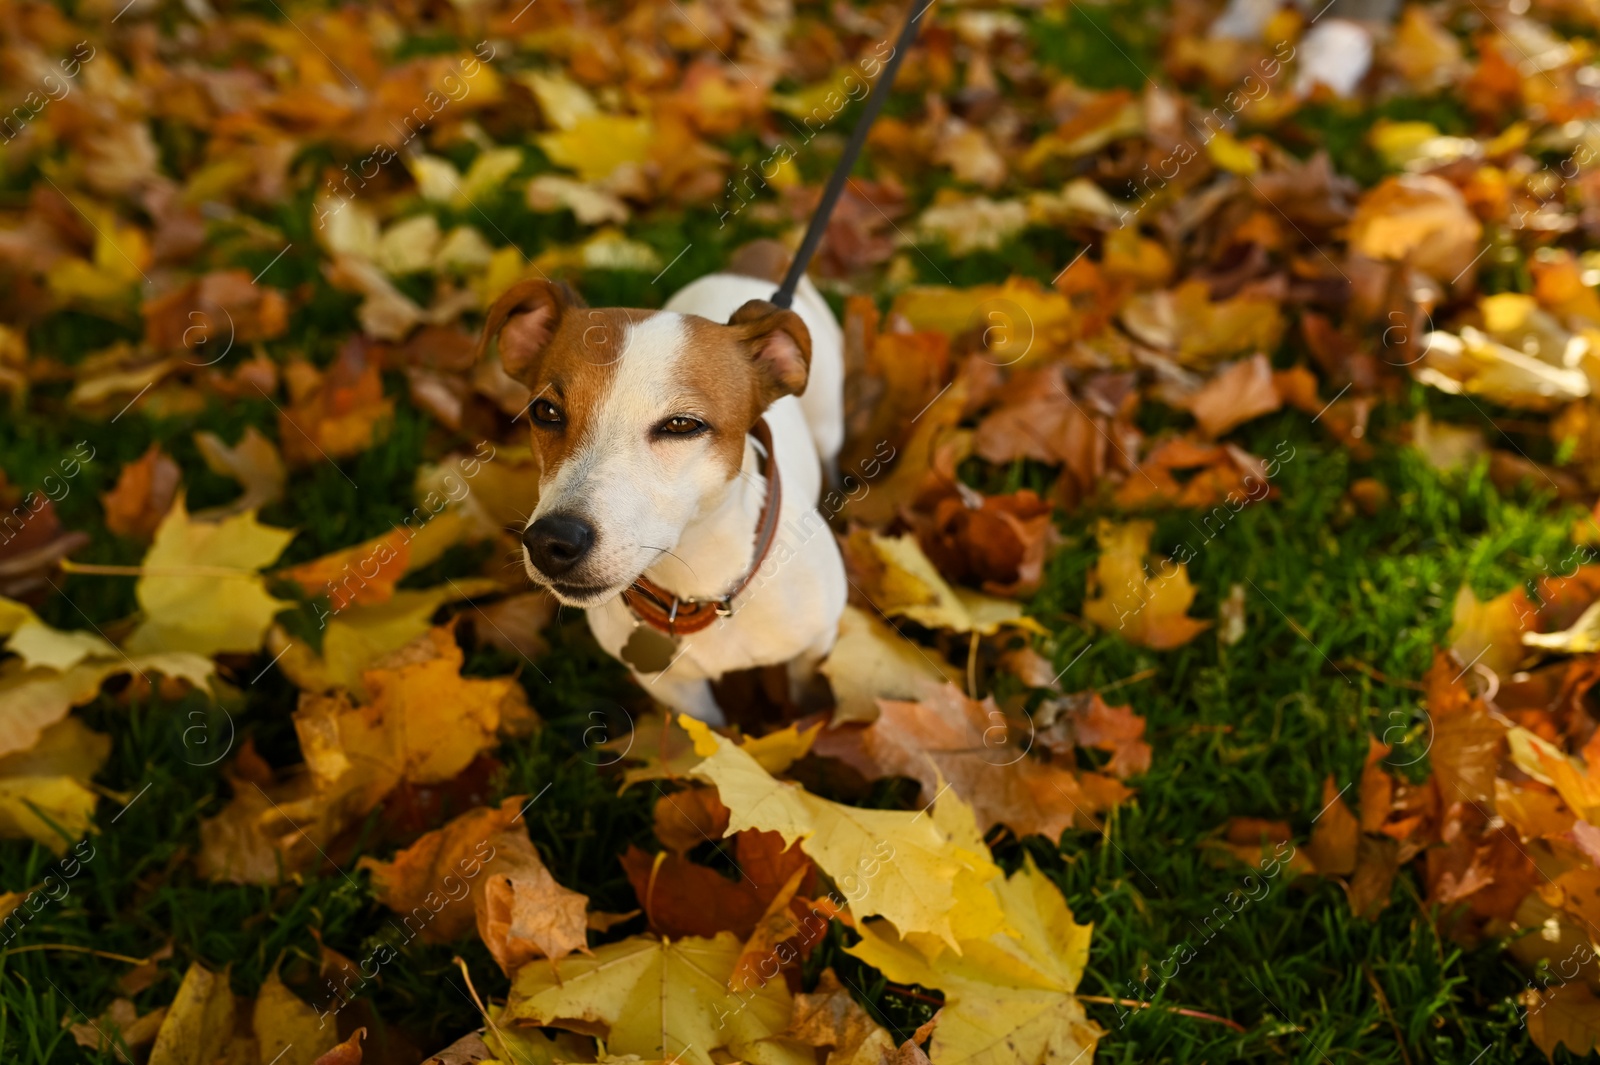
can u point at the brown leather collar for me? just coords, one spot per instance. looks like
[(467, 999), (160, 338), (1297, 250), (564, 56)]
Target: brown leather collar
[(666, 612)]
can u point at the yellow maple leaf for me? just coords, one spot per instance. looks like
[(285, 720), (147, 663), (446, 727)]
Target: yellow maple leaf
[(1146, 608), (897, 864), (871, 661), (1008, 997), (596, 145), (202, 591), (909, 586), (661, 1001)]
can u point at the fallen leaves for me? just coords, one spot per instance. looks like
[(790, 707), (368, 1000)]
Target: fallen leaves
[(656, 999)]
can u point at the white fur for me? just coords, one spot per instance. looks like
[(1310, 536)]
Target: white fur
[(669, 501)]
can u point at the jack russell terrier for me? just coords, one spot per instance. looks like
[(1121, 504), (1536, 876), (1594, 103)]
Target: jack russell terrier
[(681, 454)]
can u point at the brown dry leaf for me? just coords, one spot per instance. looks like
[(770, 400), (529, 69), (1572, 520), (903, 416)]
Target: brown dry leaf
[(1565, 1015), (337, 413), (949, 739), (998, 545), (121, 1022), (1369, 886), (1146, 608), (417, 881), (686, 819), (1183, 472), (1466, 752), (1235, 395), (143, 494), (830, 1018), (1335, 835), (1038, 417), (522, 912), (1086, 721), (29, 556), (682, 898)]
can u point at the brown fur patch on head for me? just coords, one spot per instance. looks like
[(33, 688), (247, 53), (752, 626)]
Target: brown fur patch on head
[(574, 371)]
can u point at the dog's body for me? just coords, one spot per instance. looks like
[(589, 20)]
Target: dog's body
[(642, 422)]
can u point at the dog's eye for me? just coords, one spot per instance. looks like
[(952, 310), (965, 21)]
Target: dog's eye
[(681, 425), (546, 412)]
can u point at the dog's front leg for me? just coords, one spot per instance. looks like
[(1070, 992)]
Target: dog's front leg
[(685, 695)]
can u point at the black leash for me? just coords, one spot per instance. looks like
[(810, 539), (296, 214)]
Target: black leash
[(841, 173)]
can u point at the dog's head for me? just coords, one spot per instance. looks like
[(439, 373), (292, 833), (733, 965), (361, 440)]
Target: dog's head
[(639, 423)]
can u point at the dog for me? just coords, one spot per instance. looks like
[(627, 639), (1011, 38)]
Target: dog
[(681, 455)]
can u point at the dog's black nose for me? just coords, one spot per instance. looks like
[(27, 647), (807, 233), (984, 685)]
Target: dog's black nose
[(557, 543)]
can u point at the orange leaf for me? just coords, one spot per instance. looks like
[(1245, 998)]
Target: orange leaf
[(1335, 835), (364, 573), (686, 819), (428, 882), (346, 1053), (143, 494)]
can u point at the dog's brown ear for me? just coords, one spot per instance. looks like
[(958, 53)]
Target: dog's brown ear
[(779, 345), (525, 317)]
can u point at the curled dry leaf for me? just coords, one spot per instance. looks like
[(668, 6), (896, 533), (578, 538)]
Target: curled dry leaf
[(681, 897), (1237, 394), (522, 912), (1419, 218), (829, 1017)]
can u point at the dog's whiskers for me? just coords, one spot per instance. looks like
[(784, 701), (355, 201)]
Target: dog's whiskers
[(663, 551)]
